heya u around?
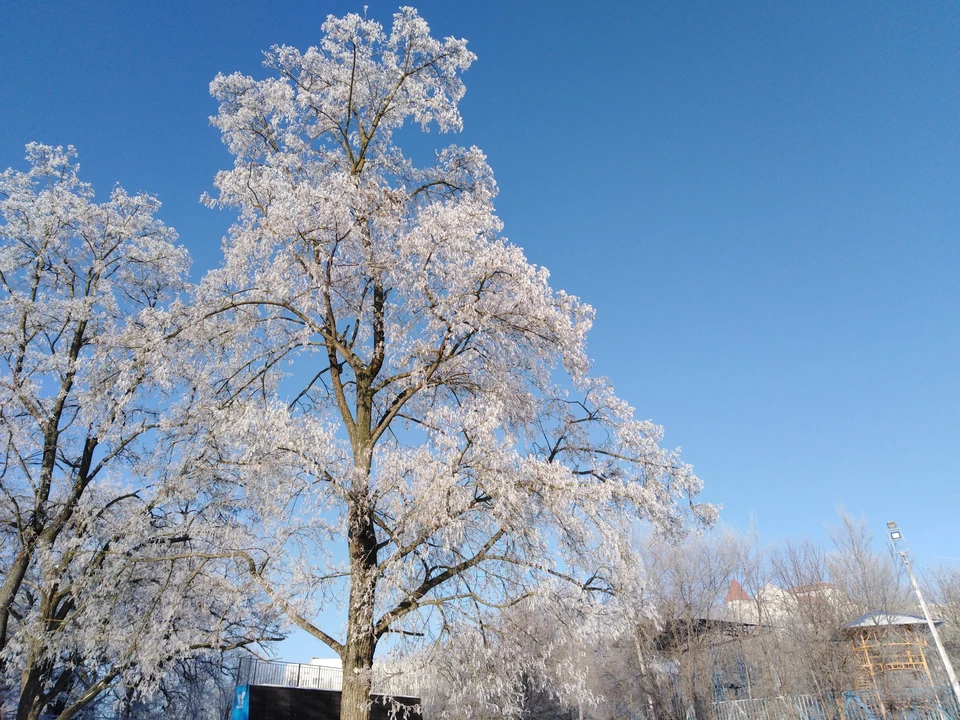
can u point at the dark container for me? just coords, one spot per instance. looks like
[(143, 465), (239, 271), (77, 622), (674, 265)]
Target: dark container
[(267, 702)]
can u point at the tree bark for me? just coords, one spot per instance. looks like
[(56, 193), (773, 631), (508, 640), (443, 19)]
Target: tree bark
[(357, 678), (9, 590), (32, 699), (361, 641), (39, 691)]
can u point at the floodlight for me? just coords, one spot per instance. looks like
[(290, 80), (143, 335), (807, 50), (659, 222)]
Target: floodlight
[(895, 535)]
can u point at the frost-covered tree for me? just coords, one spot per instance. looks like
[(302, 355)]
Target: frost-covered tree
[(942, 585), (398, 398), (99, 581), (198, 687), (561, 653)]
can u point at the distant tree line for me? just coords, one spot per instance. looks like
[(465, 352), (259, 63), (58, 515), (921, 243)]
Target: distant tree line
[(680, 646)]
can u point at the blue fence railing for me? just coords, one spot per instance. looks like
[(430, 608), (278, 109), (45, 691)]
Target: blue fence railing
[(907, 704)]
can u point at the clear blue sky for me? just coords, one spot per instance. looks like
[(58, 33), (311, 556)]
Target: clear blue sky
[(760, 200)]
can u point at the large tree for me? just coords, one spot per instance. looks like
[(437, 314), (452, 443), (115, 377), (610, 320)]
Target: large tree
[(399, 400)]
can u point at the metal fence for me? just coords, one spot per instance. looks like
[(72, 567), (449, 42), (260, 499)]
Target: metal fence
[(912, 704), (387, 680)]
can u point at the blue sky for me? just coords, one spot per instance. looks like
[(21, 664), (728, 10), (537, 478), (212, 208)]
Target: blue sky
[(759, 199)]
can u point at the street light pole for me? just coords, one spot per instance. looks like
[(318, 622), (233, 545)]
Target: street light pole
[(899, 545)]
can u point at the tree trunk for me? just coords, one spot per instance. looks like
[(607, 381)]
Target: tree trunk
[(31, 690), (357, 679), (9, 590), (39, 683), (361, 642), (357, 655)]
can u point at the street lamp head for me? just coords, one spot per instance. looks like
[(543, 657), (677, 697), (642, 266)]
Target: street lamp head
[(895, 535), (891, 524)]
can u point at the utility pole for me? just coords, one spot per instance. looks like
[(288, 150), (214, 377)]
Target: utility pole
[(899, 545)]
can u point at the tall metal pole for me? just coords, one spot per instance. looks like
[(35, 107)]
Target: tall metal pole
[(899, 544)]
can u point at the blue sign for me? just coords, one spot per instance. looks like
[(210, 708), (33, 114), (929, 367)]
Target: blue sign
[(241, 703)]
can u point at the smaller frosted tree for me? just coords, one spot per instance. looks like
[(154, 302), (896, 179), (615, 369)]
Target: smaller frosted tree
[(560, 653), (99, 578), (400, 401)]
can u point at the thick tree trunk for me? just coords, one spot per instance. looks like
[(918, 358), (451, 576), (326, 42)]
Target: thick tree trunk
[(31, 689), (357, 679), (40, 683), (41, 692), (361, 643)]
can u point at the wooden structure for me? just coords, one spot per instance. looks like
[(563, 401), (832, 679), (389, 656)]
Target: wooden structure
[(890, 651)]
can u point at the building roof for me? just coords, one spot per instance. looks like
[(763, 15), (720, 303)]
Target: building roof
[(736, 592), (719, 621), (817, 587), (879, 618)]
